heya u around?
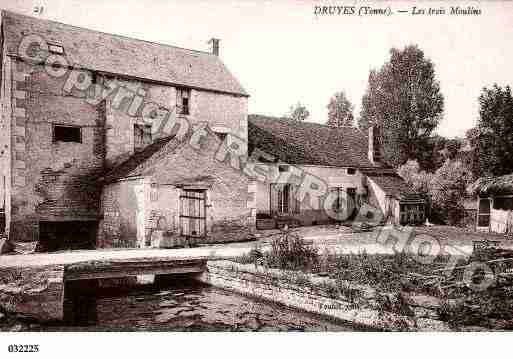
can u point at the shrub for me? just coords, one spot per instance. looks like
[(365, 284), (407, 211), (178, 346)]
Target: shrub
[(289, 251)]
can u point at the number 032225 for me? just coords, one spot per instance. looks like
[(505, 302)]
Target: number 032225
[(23, 348)]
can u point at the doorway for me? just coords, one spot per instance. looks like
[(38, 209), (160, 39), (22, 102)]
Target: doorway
[(67, 235), (193, 216), (483, 212)]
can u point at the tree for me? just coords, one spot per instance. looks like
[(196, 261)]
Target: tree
[(403, 98), (298, 112), (495, 131), (417, 179), (444, 190), (448, 189), (470, 152), (340, 111), (439, 149)]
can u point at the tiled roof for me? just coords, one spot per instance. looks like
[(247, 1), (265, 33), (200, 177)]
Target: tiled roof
[(129, 167), (492, 185), (308, 143), (115, 54), (393, 185)]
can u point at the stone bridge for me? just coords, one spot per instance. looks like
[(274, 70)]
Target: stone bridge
[(33, 285)]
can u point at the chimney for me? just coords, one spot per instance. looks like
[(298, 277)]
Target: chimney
[(374, 145), (214, 46)]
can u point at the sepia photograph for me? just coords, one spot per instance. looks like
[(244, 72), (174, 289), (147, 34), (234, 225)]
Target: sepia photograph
[(255, 166)]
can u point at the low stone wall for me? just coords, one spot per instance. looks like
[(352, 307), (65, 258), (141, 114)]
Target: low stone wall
[(277, 286), (34, 292)]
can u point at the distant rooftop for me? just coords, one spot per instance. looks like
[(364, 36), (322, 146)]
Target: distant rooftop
[(306, 143)]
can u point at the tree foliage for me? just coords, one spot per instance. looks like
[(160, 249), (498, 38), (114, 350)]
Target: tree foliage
[(470, 156), (495, 131), (444, 190), (298, 112), (415, 177), (404, 99), (448, 189), (340, 111), (440, 149)]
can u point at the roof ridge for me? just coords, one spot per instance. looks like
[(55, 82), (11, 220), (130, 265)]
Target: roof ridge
[(105, 33), (142, 59), (309, 142), (285, 119)]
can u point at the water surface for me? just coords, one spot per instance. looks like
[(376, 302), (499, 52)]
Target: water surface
[(179, 305)]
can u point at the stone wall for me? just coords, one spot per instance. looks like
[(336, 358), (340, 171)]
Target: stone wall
[(6, 128), (276, 286), (121, 225), (57, 181), (229, 205), (52, 181), (35, 292), (159, 104), (230, 197)]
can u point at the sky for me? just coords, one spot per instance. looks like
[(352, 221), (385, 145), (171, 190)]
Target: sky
[(282, 52)]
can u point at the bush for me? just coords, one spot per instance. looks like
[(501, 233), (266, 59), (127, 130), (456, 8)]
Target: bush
[(443, 190), (289, 251)]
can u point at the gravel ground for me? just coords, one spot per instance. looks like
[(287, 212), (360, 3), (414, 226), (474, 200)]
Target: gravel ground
[(341, 239)]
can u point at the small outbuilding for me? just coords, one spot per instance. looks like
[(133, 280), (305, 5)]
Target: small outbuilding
[(176, 192), (494, 203)]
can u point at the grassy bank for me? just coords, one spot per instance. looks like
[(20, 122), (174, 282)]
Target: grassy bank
[(451, 286)]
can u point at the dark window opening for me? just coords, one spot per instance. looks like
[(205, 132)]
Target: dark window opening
[(56, 236), (142, 136), (338, 204), (283, 199), (2, 221), (182, 101), (351, 171), (283, 168), (67, 134), (221, 135)]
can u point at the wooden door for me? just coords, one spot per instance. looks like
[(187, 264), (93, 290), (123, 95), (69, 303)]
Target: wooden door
[(483, 214), (193, 216)]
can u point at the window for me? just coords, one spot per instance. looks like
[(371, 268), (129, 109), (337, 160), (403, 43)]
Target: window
[(142, 136), (483, 214), (283, 200), (63, 133), (283, 168), (338, 204), (351, 197), (221, 135), (182, 101), (351, 171)]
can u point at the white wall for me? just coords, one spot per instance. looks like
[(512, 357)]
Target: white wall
[(380, 196), (331, 176)]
